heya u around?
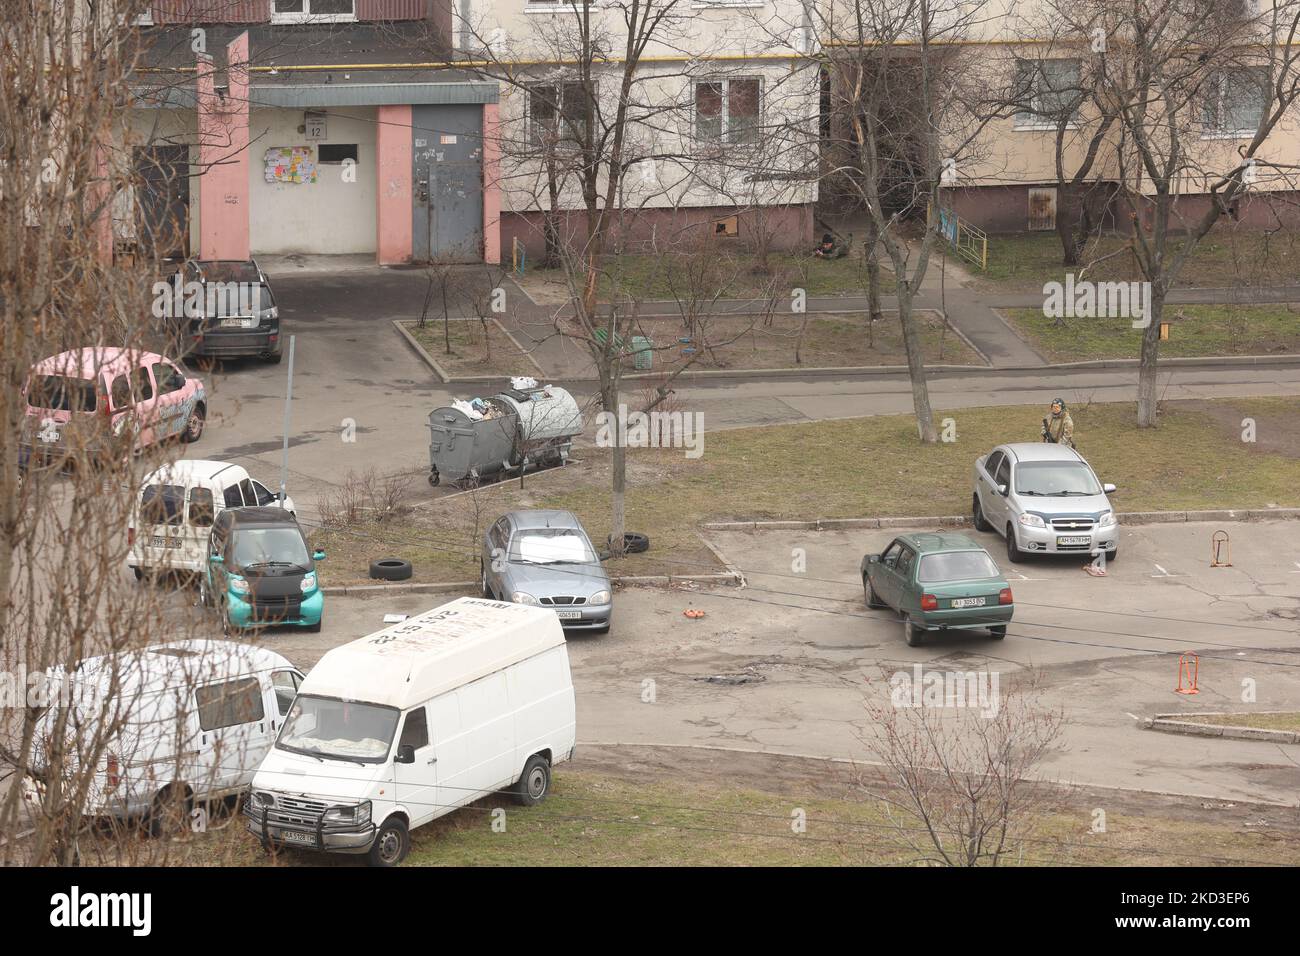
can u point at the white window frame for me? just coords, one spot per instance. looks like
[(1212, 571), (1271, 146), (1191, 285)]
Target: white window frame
[(1220, 97), (1031, 122), (306, 16), (723, 142), (564, 142)]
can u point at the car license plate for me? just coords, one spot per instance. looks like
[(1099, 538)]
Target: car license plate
[(1073, 539), (160, 542), (569, 615), (293, 836), (968, 602), (236, 323)]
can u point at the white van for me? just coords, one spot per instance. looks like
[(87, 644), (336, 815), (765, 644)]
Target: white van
[(171, 522), (193, 720), (398, 728)]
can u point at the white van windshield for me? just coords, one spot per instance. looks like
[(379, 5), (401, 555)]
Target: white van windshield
[(339, 729)]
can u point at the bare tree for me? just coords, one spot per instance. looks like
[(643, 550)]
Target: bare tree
[(961, 766), (907, 106)]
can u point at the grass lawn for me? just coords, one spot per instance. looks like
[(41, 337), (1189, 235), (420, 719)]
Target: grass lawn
[(471, 353), (598, 818), (1194, 330), (1225, 258), (829, 341), (848, 468), (676, 276), (1279, 721)]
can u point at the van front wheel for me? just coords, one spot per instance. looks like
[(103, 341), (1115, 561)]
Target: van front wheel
[(391, 845), (534, 783)]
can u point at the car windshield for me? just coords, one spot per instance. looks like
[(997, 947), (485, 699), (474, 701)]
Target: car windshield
[(270, 549), (955, 566), (551, 546), (339, 729), (63, 393), (1055, 479)]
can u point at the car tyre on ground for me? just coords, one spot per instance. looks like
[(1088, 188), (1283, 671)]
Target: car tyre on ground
[(194, 427), (483, 582), (1014, 554), (534, 783), (633, 542), (169, 814), (1112, 555), (977, 515), (392, 843), (915, 635), (390, 569), (869, 593), (315, 628), (998, 632)]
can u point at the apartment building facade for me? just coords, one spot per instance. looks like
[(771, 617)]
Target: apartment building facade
[(410, 129)]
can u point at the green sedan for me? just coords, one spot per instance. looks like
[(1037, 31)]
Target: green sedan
[(938, 581)]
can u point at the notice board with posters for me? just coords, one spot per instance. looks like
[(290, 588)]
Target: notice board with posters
[(290, 164)]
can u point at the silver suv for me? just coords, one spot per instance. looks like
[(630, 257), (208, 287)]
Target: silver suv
[(1044, 499)]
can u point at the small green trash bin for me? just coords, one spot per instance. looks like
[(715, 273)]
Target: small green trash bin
[(642, 352)]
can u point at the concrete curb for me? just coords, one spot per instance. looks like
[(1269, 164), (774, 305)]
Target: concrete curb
[(1184, 724), (447, 378), (963, 521), (439, 587)]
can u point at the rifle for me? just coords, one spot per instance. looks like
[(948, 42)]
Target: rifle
[(1047, 434)]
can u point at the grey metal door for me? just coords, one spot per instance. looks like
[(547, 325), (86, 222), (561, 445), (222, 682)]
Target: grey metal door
[(448, 172), (163, 201)]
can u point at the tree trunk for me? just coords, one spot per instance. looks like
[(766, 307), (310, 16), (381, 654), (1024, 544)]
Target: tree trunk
[(916, 367), (873, 271), (618, 467), (1067, 218), (1147, 367)]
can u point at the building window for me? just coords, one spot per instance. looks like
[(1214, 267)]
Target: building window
[(297, 11), (1235, 103), (728, 111), (336, 153), (1049, 92), (557, 113)]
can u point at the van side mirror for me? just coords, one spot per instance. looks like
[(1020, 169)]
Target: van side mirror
[(604, 555), (873, 559), (318, 555), (1002, 490), (405, 754), (1108, 488)]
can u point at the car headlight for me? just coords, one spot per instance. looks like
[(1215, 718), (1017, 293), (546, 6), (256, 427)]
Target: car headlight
[(522, 597), (358, 814), (1107, 518), (308, 582), (1032, 521), (600, 597), (238, 586)]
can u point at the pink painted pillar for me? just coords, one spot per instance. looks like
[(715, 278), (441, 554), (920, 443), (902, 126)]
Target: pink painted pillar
[(393, 141), (491, 184), (223, 157)]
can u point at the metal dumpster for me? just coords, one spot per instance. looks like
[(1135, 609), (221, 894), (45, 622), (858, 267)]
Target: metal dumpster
[(518, 428)]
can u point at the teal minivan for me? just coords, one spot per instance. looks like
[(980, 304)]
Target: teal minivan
[(260, 571)]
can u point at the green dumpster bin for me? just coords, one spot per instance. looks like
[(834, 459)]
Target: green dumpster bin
[(642, 352)]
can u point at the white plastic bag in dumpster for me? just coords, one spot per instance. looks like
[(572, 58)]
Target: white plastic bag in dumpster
[(522, 383), (466, 409)]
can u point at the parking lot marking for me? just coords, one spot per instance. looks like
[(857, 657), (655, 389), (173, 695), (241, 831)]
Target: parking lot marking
[(1166, 574)]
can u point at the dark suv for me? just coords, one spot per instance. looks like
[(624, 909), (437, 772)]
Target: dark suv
[(224, 308)]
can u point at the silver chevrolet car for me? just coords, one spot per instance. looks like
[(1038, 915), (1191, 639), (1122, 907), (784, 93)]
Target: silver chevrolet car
[(546, 558), (1044, 499)]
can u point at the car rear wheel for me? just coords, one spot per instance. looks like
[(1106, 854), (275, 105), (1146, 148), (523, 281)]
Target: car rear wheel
[(915, 635), (873, 602), (999, 632), (1014, 554), (534, 783), (483, 581), (194, 427), (977, 515)]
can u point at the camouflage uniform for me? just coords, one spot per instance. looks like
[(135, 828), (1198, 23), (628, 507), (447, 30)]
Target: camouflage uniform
[(1060, 428)]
